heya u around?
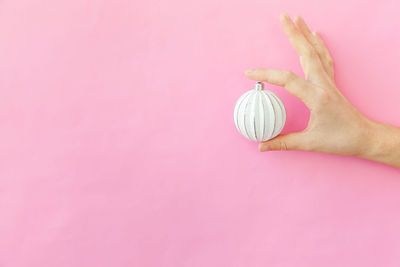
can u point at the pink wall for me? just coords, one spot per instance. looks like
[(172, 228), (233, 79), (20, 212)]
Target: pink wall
[(118, 147)]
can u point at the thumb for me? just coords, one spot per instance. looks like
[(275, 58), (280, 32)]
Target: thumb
[(291, 141)]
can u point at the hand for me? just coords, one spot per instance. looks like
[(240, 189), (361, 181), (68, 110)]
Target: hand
[(335, 126)]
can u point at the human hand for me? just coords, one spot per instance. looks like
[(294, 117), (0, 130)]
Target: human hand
[(335, 126)]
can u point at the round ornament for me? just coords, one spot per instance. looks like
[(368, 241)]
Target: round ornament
[(259, 114)]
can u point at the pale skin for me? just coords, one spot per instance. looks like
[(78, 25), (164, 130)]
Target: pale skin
[(335, 126)]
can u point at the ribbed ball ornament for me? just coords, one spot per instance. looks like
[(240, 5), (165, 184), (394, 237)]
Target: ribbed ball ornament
[(259, 114)]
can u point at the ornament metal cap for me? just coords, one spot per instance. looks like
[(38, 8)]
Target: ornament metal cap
[(259, 86)]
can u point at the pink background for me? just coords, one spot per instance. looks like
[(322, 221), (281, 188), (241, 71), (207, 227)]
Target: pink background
[(118, 147)]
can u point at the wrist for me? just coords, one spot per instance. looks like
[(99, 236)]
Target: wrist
[(382, 143), (372, 144)]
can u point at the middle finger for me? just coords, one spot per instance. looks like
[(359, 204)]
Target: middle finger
[(312, 68)]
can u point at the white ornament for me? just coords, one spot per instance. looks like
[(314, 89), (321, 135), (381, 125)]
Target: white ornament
[(259, 114)]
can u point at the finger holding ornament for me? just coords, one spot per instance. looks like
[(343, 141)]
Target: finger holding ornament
[(290, 141), (293, 83)]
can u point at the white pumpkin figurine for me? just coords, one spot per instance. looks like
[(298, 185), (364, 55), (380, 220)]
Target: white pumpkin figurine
[(259, 114)]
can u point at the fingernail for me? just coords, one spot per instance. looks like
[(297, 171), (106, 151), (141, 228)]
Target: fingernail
[(284, 15), (315, 33), (262, 147), (248, 71)]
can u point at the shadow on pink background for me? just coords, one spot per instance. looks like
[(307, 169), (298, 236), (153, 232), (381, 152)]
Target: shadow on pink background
[(118, 147)]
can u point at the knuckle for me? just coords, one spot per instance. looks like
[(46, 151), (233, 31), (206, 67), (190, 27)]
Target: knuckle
[(316, 44), (310, 54), (288, 73), (322, 97), (329, 60), (282, 145), (290, 76)]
